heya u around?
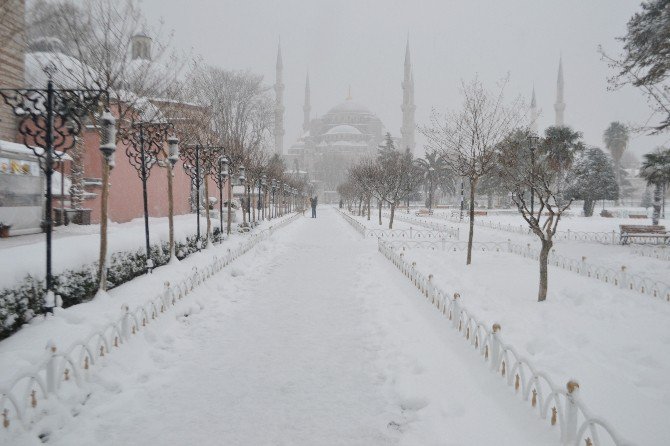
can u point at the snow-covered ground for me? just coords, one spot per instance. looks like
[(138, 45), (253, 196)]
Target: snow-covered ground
[(310, 338), (74, 246), (613, 341)]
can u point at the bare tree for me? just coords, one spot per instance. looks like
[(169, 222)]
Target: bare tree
[(241, 114), (541, 177), (468, 138)]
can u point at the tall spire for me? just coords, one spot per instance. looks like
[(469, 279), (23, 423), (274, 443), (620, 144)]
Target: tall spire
[(533, 113), (559, 106), (279, 104), (408, 107), (307, 108)]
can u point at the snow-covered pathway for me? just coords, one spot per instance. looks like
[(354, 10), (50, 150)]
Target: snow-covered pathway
[(310, 339)]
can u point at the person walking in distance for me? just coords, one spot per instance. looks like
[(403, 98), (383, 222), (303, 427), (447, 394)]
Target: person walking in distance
[(313, 202)]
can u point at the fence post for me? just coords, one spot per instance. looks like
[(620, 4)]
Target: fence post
[(52, 379), (495, 346), (623, 283), (125, 322), (456, 311), (444, 244), (410, 232), (570, 434), (583, 271), (613, 237)]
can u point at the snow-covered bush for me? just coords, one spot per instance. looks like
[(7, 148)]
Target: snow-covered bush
[(20, 303)]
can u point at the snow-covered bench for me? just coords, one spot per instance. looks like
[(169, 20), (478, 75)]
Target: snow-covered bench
[(422, 212), (643, 233)]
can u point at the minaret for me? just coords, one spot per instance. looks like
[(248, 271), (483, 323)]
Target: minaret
[(307, 108), (408, 107), (559, 106), (279, 105), (533, 113)]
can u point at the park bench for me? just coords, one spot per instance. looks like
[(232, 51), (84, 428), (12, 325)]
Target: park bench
[(481, 213), (643, 233), (638, 216), (422, 212), (607, 214)]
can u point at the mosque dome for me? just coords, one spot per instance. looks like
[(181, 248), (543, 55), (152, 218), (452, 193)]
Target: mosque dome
[(343, 130), (349, 106)]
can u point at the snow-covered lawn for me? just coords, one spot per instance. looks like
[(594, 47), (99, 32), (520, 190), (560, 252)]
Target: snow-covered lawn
[(614, 342), (311, 338), (74, 246)]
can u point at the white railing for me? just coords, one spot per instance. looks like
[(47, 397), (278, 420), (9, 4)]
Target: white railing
[(61, 371), (620, 278), (658, 253), (451, 231), (563, 407), (397, 234)]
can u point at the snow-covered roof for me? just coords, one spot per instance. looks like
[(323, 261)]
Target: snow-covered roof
[(21, 149), (68, 72), (343, 129)]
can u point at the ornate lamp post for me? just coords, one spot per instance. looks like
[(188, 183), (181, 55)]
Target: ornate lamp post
[(245, 202), (533, 140), (431, 170), (145, 143), (193, 166), (273, 211), (49, 120), (261, 184), (173, 157), (221, 179)]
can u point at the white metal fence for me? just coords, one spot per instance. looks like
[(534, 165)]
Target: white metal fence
[(620, 278), (70, 367), (562, 406), (399, 234)]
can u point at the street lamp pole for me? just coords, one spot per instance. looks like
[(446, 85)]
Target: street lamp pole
[(145, 142), (49, 121)]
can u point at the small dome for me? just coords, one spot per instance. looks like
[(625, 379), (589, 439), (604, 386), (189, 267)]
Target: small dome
[(343, 129)]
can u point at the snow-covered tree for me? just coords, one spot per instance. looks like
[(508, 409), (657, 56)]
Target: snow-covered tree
[(542, 177), (468, 138), (592, 178), (615, 138), (656, 171), (645, 61)]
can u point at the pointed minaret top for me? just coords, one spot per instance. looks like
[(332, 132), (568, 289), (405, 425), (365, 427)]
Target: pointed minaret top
[(559, 82), (280, 65), (533, 102), (408, 61)]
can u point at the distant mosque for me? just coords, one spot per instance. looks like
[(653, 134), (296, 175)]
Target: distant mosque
[(559, 105), (349, 131)]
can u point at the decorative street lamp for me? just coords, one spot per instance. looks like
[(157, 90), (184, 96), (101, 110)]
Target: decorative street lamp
[(533, 140), (172, 158), (145, 142), (220, 180), (261, 185), (273, 211), (197, 165), (49, 121)]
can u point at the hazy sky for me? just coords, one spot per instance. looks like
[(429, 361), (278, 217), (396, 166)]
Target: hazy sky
[(361, 43)]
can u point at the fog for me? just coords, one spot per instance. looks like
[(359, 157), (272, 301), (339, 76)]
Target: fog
[(361, 43)]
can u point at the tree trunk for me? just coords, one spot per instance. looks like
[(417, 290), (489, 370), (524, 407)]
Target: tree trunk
[(368, 206), (392, 215), (489, 200), (544, 261), (102, 261), (209, 221), (658, 199), (230, 206), (380, 212), (589, 205), (471, 233), (170, 211)]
